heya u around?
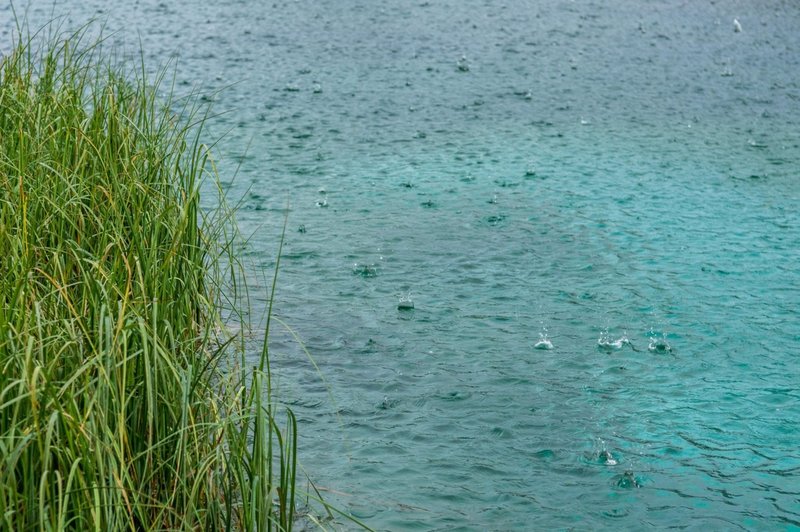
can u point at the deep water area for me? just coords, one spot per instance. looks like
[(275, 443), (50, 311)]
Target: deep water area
[(594, 207)]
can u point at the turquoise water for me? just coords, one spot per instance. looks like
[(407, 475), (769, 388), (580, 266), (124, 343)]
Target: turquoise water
[(620, 179)]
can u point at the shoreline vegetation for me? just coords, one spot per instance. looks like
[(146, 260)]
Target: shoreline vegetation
[(124, 404)]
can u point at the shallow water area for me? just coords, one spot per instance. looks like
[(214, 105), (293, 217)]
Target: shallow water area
[(620, 179)]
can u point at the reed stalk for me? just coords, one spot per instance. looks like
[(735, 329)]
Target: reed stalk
[(123, 403)]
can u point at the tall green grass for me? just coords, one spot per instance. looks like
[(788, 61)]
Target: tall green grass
[(123, 405)]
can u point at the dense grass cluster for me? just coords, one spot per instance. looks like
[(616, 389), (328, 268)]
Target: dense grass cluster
[(122, 405)]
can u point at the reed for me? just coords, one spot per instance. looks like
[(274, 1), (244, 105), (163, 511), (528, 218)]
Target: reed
[(123, 404)]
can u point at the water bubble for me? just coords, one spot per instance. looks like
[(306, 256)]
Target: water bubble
[(607, 458), (544, 342), (405, 302), (659, 343), (496, 219), (608, 344), (387, 403), (600, 454), (365, 270), (628, 480)]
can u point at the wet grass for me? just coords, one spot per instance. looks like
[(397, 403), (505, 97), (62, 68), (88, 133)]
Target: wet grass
[(124, 404)]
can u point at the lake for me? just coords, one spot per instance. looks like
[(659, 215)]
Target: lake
[(593, 207)]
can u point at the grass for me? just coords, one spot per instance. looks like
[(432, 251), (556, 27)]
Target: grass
[(123, 404)]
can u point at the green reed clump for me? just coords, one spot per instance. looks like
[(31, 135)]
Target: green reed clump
[(122, 406)]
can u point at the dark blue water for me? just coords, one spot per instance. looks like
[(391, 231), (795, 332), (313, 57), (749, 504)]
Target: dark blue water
[(616, 180)]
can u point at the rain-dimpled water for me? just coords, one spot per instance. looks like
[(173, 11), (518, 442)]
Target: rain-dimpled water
[(544, 254)]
